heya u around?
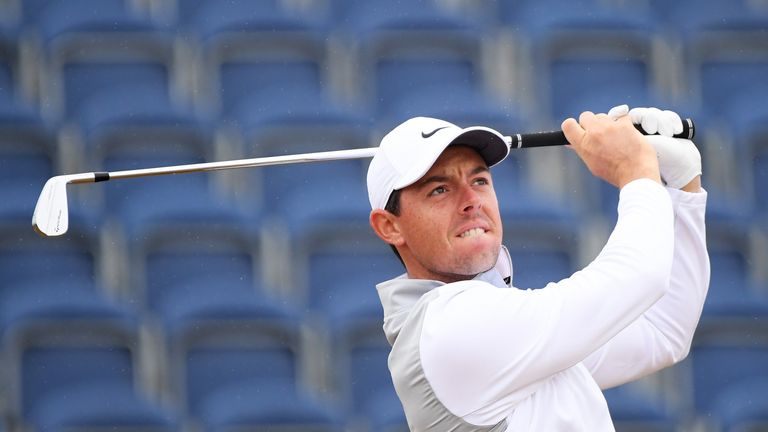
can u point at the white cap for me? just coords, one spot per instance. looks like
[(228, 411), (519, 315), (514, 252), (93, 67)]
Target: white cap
[(409, 151)]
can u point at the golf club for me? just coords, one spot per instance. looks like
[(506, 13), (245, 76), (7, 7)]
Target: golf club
[(51, 215)]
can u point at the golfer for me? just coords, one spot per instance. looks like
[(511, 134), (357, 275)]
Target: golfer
[(470, 352)]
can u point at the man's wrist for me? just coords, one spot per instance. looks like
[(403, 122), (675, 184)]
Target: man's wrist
[(647, 168)]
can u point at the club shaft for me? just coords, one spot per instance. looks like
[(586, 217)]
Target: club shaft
[(540, 139), (239, 163)]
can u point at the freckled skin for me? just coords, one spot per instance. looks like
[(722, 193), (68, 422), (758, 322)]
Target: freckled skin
[(454, 196)]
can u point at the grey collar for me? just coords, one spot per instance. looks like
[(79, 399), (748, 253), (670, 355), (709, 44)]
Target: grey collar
[(400, 294)]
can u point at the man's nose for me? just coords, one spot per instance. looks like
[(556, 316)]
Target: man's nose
[(470, 200)]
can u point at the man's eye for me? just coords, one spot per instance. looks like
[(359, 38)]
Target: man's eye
[(481, 181), (439, 190)]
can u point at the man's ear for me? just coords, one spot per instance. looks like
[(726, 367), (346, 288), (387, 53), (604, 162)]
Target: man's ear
[(386, 227)]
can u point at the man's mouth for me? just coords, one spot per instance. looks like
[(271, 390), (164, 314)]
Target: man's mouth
[(472, 233)]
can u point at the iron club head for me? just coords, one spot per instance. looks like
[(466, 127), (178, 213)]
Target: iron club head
[(51, 216)]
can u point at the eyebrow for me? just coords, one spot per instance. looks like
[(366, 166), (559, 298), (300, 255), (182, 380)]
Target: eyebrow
[(440, 179)]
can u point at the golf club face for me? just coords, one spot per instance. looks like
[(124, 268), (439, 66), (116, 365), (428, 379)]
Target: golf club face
[(51, 216)]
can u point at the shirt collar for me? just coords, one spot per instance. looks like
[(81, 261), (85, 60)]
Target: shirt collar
[(402, 292)]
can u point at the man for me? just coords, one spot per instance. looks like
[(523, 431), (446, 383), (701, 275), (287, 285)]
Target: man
[(471, 353)]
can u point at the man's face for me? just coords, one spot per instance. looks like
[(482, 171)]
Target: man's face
[(449, 220)]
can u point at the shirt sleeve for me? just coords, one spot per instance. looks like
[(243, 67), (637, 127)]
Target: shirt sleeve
[(483, 348), (662, 336)]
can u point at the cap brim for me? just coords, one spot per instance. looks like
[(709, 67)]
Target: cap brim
[(487, 142)]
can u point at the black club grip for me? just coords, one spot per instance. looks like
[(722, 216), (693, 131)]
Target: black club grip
[(557, 138)]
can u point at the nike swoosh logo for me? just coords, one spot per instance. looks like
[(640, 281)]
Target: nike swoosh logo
[(427, 135)]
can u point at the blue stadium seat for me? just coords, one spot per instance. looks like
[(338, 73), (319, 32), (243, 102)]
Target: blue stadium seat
[(29, 11), (246, 50), (268, 76), (28, 157), (743, 406), (461, 105), (586, 55), (197, 272), (316, 206), (724, 55), (399, 49), (39, 15), (724, 78), (201, 16), (750, 150), (520, 198), (84, 81), (245, 373), (27, 150), (249, 87), (406, 87), (596, 84), (44, 280), (733, 290), (299, 202), (82, 375), (8, 65), (189, 244), (364, 378), (204, 17), (130, 58), (314, 194), (686, 17), (142, 205), (227, 337), (342, 281), (15, 110), (118, 89), (103, 405), (27, 303), (287, 126), (719, 366), (268, 405), (363, 17), (396, 79), (541, 251), (225, 352), (138, 111), (552, 15), (300, 115), (343, 267), (636, 411)]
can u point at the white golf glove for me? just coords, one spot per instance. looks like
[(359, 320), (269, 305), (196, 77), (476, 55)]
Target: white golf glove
[(679, 159)]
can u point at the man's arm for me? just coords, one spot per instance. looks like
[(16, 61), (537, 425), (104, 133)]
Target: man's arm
[(484, 349), (662, 336), (498, 343)]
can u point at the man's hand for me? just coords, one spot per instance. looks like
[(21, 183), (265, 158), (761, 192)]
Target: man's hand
[(612, 148), (679, 159)]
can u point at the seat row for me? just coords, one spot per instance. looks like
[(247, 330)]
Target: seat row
[(579, 60), (248, 91), (255, 366), (178, 269)]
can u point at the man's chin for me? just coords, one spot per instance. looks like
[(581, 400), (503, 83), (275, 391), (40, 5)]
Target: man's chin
[(476, 265)]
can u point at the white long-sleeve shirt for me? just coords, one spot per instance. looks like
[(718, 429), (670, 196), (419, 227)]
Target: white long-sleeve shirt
[(469, 356)]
